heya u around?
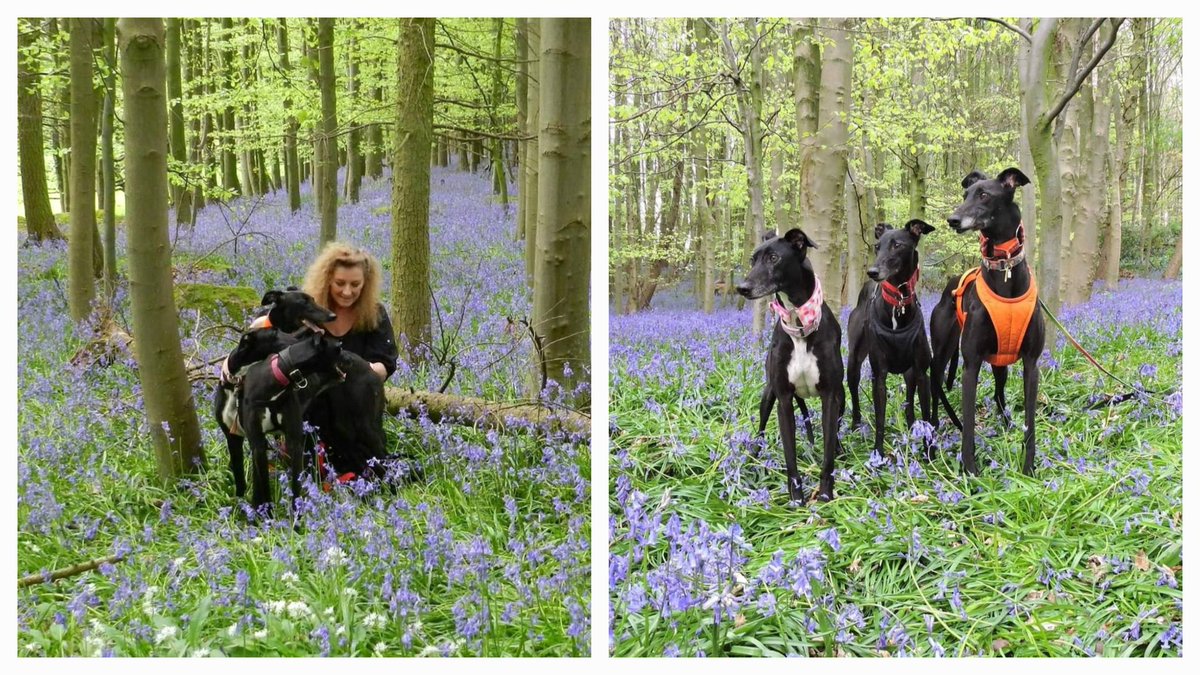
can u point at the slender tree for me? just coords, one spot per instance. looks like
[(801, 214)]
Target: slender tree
[(170, 412), (108, 161), (411, 157), (39, 215), (83, 170), (328, 133), (180, 196), (533, 152), (560, 297)]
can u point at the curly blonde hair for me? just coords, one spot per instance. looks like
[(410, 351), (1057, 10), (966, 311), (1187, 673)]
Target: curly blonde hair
[(320, 275)]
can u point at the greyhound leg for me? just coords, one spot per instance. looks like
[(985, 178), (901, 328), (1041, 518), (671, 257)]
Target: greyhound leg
[(910, 392), (829, 427), (765, 402), (1001, 375), (879, 392), (970, 382), (853, 377), (1031, 389), (807, 420), (787, 434)]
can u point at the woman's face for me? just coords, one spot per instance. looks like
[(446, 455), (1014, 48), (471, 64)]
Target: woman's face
[(346, 285)]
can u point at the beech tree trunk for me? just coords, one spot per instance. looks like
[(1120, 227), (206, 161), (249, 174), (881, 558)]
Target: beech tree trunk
[(354, 160), (108, 162), (39, 214), (522, 94), (561, 276), (533, 151), (180, 196), (170, 413), (411, 157), (328, 133), (82, 245)]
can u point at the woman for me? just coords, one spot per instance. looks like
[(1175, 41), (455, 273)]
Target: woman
[(346, 279)]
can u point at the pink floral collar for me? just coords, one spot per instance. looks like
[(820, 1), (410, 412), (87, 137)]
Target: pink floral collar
[(801, 321)]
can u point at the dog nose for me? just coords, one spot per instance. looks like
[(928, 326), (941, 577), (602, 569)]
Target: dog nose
[(743, 289), (873, 272), (954, 221)]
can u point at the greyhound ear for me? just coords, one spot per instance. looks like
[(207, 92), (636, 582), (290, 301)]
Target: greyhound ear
[(1012, 178), (271, 297), (797, 238), (767, 235), (880, 228), (972, 178), (918, 227), (292, 288)]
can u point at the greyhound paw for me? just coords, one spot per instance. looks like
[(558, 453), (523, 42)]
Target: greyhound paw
[(824, 496)]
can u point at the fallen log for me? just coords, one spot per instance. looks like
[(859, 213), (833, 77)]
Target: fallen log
[(67, 571), (481, 412)]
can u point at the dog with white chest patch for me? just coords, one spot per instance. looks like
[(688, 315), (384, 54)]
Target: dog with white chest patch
[(805, 359)]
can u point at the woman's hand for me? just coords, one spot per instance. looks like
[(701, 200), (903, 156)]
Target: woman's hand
[(380, 370)]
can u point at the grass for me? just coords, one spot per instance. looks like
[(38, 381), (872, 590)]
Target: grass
[(911, 558)]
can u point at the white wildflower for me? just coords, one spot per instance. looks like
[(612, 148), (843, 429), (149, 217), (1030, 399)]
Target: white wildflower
[(334, 555), (350, 591), (298, 610), (374, 620), (33, 647), (341, 630), (276, 606), (200, 653), (380, 648), (165, 633), (233, 630), (290, 577), (260, 634)]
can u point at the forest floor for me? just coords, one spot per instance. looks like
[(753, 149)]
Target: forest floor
[(911, 558), (488, 555)]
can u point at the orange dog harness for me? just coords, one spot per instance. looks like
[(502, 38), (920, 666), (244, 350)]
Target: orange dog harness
[(1010, 316)]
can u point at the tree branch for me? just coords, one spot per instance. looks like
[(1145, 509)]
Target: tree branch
[(1071, 89), (1015, 29)]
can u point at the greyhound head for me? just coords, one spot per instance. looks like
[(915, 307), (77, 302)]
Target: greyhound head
[(988, 205), (780, 264), (896, 257), (256, 345), (317, 352), (294, 309)]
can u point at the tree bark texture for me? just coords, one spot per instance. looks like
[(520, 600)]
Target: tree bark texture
[(170, 413), (83, 170), (328, 133), (39, 214), (411, 156), (561, 274)]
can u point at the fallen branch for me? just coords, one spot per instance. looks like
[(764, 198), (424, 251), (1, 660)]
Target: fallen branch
[(482, 413), (67, 571)]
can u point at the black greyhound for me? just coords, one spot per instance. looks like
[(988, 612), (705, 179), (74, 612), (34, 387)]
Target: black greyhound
[(887, 325), (999, 322), (290, 312), (805, 356), (272, 397)]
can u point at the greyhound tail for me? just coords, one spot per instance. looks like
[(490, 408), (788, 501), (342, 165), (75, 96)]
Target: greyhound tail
[(949, 410), (950, 372)]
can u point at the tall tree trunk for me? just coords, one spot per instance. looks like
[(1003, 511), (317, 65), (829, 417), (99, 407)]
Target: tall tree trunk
[(411, 156), (1112, 242), (291, 160), (170, 412), (83, 169), (179, 194), (918, 161), (229, 175), (1175, 264), (827, 171), (499, 180), (108, 162), (522, 94), (561, 278), (354, 161), (39, 215), (374, 160), (533, 113), (60, 130), (328, 135)]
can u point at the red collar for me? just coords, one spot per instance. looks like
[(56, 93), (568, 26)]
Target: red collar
[(1005, 255), (903, 295)]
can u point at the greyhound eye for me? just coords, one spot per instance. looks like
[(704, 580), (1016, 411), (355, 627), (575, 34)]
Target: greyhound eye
[(984, 196), (772, 258)]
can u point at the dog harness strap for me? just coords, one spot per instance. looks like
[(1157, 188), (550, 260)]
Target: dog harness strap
[(903, 295), (807, 317), (277, 372), (1010, 317)]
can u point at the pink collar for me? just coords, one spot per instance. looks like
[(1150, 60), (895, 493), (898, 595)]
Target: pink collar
[(801, 321)]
